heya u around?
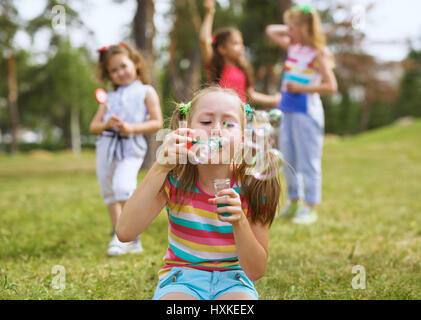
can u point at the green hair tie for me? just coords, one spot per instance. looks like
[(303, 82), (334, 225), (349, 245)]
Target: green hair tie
[(249, 111), (184, 108), (303, 8)]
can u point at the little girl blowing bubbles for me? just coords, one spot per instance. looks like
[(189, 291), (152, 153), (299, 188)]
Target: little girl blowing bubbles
[(210, 256)]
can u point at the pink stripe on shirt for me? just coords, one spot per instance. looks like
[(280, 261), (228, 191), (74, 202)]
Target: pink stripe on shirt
[(201, 237)]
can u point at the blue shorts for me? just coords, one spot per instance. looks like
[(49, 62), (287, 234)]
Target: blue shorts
[(204, 285)]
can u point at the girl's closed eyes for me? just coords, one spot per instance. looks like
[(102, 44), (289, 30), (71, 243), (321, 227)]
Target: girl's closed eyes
[(231, 125), (225, 124)]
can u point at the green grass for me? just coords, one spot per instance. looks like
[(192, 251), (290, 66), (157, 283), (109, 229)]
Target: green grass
[(52, 214)]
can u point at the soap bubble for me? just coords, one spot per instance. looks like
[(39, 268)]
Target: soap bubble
[(265, 162), (205, 150), (268, 164), (275, 116), (214, 144)]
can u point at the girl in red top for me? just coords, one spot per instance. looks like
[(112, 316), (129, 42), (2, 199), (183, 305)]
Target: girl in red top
[(223, 55)]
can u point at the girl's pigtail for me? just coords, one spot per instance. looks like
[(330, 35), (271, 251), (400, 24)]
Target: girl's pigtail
[(184, 175), (175, 119), (262, 195), (179, 116)]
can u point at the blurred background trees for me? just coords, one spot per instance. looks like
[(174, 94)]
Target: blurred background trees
[(9, 26), (53, 96), (49, 101)]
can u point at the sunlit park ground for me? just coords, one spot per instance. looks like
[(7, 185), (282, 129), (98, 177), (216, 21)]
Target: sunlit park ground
[(51, 215)]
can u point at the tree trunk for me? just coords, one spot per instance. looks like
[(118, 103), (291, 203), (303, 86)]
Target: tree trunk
[(365, 116), (194, 74), (284, 5), (12, 83), (269, 81), (173, 72), (66, 127), (75, 131), (184, 87), (144, 33), (143, 25)]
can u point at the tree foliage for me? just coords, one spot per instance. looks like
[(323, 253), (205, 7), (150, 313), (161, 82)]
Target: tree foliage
[(370, 91), (409, 100)]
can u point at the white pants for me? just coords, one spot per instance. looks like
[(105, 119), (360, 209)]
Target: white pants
[(301, 142), (118, 179)]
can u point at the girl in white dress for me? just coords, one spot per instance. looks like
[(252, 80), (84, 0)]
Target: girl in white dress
[(132, 110)]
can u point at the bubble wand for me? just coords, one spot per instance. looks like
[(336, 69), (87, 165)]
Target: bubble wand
[(101, 96), (213, 143)]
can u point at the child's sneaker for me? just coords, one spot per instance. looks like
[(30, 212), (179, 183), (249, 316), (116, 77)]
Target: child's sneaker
[(118, 248), (135, 246), (289, 210), (305, 215)]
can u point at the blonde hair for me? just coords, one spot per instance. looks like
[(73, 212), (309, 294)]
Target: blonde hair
[(262, 196), (312, 20)]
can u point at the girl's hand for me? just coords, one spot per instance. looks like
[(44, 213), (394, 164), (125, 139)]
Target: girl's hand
[(112, 122), (233, 207), (175, 147), (209, 6), (125, 128), (295, 87)]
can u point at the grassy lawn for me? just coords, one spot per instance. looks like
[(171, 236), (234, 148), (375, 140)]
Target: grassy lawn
[(52, 215)]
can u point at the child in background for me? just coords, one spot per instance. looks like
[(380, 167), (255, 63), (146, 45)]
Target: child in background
[(210, 255), (307, 73), (132, 109), (223, 55)]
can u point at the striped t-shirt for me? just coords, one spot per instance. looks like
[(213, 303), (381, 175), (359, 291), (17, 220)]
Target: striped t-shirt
[(298, 68), (197, 239)]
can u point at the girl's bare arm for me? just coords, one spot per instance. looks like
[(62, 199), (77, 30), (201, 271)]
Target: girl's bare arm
[(278, 34), (265, 100), (148, 199), (205, 34), (252, 240), (143, 206)]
